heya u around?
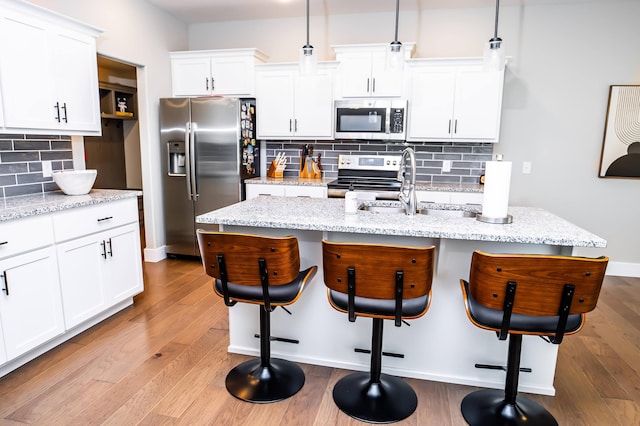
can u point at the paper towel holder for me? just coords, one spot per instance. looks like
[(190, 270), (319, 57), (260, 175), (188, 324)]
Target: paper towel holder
[(497, 220)]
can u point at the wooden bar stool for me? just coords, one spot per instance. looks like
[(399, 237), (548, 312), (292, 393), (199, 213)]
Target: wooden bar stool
[(264, 271), (525, 294), (380, 282)]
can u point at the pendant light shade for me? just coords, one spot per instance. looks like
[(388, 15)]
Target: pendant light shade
[(494, 56), (395, 51), (308, 58)]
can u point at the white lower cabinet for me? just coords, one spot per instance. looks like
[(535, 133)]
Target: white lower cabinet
[(256, 189), (97, 271), (76, 268), (30, 304)]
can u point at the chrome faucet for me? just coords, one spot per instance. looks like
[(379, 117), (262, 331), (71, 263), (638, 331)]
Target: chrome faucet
[(407, 194)]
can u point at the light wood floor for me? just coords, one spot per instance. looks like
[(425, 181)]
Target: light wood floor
[(163, 362)]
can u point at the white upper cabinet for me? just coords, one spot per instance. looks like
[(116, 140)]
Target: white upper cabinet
[(214, 72), (452, 100), (48, 72), (363, 71), (292, 105)]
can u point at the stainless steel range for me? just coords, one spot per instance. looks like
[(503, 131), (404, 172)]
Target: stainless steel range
[(369, 173)]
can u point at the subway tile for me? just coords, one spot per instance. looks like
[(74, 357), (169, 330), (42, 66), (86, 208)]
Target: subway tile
[(32, 178), (15, 156), (12, 136), (6, 180), (43, 137), (50, 186), (13, 168), (31, 145), (12, 191), (61, 145), (55, 155), (6, 145), (446, 179)]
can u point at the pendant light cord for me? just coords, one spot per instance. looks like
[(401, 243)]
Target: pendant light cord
[(397, 11), (307, 45), (495, 33)]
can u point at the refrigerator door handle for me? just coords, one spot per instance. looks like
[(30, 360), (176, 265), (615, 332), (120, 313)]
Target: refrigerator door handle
[(193, 185), (187, 153)]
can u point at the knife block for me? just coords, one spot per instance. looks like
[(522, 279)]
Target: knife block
[(275, 171), (310, 169)]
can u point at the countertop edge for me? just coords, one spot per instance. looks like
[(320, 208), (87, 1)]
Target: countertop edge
[(530, 225), (50, 202), (420, 186)]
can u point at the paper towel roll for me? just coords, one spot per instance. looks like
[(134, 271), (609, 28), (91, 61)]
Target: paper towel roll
[(497, 180)]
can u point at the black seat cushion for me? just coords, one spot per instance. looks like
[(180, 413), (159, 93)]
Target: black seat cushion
[(492, 318), (384, 307), (278, 294)]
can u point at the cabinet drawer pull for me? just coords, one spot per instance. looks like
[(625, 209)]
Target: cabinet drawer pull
[(207, 83), (104, 249), (455, 127), (449, 126), (6, 282), (367, 85), (110, 248), (102, 219), (374, 86), (3, 243)]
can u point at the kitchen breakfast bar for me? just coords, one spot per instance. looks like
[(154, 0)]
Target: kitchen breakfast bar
[(442, 345)]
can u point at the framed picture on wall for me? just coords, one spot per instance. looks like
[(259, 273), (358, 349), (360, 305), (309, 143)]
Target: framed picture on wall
[(621, 144)]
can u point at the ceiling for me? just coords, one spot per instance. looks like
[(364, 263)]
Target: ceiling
[(195, 11)]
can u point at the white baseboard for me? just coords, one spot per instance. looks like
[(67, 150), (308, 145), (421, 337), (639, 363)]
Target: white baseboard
[(623, 269), (155, 255)]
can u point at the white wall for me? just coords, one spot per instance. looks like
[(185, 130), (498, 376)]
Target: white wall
[(140, 34), (564, 57)]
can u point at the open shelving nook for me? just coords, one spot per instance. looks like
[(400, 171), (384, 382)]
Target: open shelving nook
[(112, 96)]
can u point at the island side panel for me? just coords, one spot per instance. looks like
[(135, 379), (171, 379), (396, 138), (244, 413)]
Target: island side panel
[(442, 346)]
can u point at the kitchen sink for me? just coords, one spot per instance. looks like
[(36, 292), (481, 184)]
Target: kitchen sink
[(382, 209), (447, 213), (431, 211)]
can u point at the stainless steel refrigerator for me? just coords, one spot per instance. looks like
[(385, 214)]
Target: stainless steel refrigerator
[(208, 149)]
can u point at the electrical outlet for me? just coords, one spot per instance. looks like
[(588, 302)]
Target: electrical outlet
[(446, 165), (526, 167), (46, 169)]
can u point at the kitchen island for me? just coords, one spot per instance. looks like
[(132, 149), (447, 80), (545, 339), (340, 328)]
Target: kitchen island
[(442, 345)]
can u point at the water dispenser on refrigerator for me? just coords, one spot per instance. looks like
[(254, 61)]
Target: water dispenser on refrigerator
[(177, 158)]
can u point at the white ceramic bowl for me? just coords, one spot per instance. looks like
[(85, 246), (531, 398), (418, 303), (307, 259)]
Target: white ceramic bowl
[(75, 182)]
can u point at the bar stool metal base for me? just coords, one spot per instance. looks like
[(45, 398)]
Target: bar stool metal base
[(489, 408), (252, 382), (389, 401)]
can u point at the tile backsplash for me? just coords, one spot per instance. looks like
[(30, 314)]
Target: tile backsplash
[(467, 159), (21, 158)]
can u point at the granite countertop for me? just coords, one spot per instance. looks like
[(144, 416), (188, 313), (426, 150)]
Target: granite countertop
[(530, 225), (289, 181), (420, 186), (49, 202)]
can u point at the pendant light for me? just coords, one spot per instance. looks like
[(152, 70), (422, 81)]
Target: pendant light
[(308, 60), (494, 57), (395, 51)]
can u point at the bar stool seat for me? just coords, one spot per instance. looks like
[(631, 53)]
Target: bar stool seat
[(525, 294), (264, 271), (380, 282)]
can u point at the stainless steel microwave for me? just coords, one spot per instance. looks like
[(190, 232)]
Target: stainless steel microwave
[(371, 119)]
